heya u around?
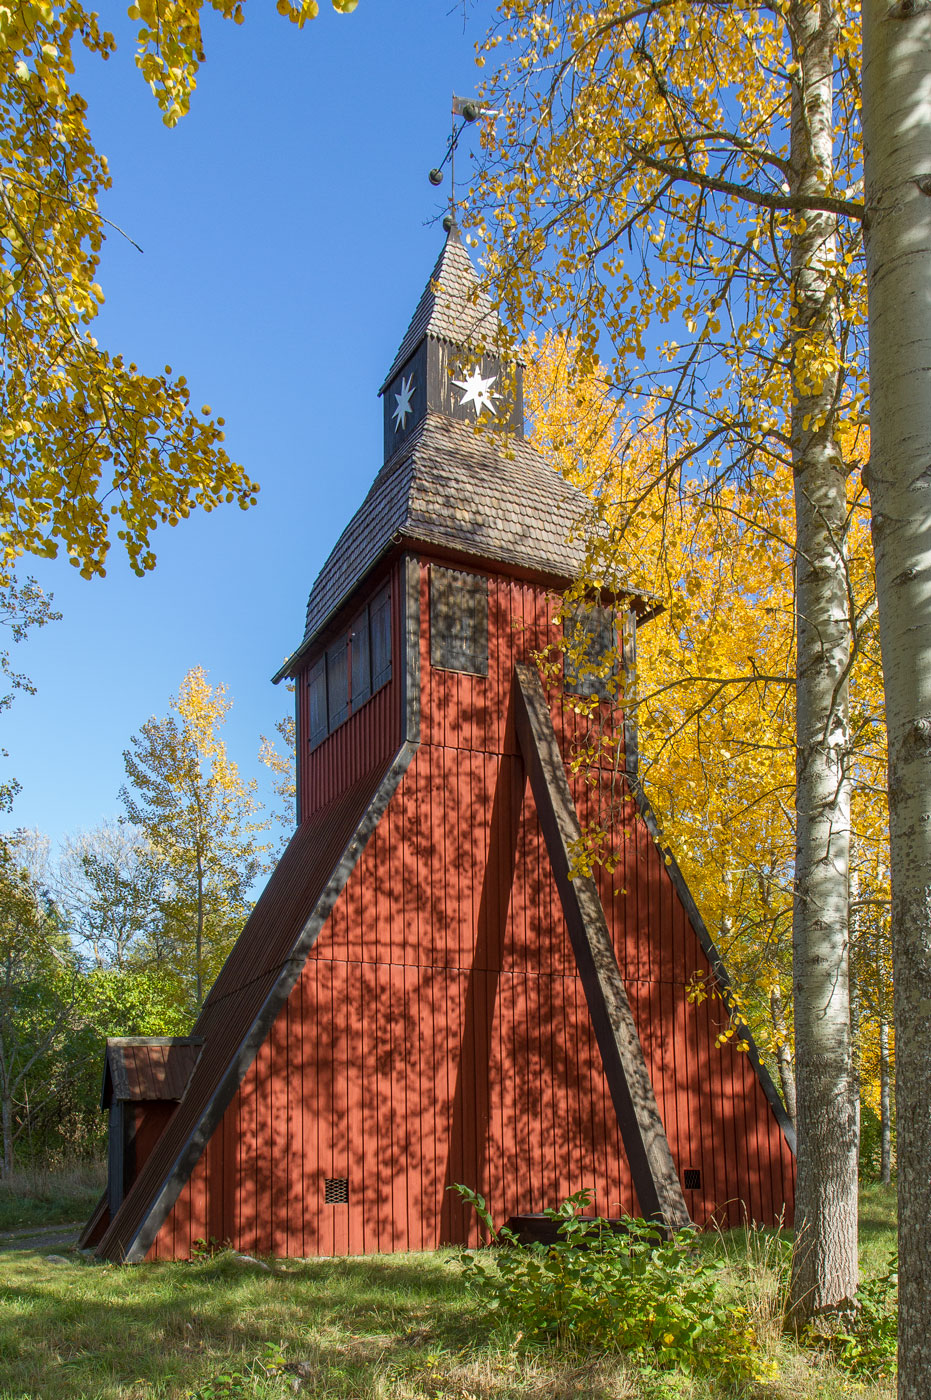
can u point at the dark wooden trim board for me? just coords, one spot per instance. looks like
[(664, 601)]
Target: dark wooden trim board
[(410, 647), (652, 1167)]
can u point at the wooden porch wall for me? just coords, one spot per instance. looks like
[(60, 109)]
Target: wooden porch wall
[(439, 1032)]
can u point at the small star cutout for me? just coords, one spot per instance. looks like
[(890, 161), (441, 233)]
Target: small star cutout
[(403, 401), (477, 392)]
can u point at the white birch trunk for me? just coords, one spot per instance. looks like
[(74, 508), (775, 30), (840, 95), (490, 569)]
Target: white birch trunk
[(885, 1105), (897, 138), (824, 1263), (783, 1053)]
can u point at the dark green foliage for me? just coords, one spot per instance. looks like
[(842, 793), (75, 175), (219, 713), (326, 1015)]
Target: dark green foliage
[(639, 1291), (58, 1117), (865, 1337)]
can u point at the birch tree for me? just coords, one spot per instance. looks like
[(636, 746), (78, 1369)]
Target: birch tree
[(897, 140), (186, 796), (714, 694), (696, 165), (92, 447), (111, 888)]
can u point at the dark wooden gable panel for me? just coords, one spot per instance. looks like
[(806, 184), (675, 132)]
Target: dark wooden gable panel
[(458, 621), (591, 667)]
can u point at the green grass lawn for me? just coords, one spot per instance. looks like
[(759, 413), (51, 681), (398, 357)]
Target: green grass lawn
[(395, 1327)]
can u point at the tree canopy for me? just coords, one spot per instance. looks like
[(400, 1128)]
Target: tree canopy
[(92, 447), (185, 796), (675, 186)]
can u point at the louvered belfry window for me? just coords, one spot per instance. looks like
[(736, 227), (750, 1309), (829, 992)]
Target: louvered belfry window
[(337, 682), (353, 667), (458, 621), (316, 686), (592, 666), (380, 625)]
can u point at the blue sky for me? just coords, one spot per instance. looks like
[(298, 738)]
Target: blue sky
[(288, 228)]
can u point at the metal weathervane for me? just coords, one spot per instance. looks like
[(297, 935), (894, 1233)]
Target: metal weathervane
[(469, 110)]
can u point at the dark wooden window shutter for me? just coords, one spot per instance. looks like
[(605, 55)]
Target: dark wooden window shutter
[(337, 681), (590, 630), (380, 624), (316, 688), (361, 660), (458, 621), (356, 665)]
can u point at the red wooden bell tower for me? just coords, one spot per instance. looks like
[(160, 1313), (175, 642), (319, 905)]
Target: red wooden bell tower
[(422, 996)]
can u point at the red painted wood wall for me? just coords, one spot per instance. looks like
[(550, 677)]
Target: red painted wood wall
[(439, 1032)]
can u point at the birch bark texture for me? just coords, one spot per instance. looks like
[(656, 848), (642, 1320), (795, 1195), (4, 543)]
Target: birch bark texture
[(897, 175), (687, 158), (824, 1263)]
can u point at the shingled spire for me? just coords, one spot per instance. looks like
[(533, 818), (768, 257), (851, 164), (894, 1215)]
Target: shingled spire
[(474, 494), (453, 306), (449, 361)]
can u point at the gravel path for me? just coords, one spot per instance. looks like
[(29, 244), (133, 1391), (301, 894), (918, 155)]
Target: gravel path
[(50, 1237)]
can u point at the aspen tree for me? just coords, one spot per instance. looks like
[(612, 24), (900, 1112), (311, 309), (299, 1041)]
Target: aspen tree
[(714, 696), (92, 447), (696, 165), (185, 796), (897, 167)]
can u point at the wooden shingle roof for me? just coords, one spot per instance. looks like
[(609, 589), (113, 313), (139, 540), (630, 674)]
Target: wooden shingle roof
[(453, 307), (147, 1068), (460, 490)]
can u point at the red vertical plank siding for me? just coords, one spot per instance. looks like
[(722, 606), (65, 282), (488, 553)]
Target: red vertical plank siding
[(294, 1137), (439, 1032)]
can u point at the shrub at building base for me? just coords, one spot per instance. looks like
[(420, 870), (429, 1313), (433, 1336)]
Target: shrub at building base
[(862, 1332), (634, 1290)]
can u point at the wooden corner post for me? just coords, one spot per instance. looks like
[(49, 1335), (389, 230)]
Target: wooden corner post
[(652, 1168)]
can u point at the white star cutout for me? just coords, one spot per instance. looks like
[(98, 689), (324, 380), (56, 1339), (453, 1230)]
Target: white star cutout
[(477, 392), (403, 401)]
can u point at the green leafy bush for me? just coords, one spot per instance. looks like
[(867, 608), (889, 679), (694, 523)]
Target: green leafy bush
[(863, 1337), (638, 1291)]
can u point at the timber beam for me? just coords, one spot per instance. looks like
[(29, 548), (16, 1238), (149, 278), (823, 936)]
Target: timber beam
[(652, 1168)]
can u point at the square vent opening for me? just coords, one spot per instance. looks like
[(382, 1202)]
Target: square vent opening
[(692, 1179), (336, 1191)]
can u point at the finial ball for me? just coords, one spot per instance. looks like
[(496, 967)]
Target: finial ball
[(435, 177)]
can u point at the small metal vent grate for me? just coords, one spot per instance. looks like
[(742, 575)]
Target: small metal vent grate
[(336, 1190), (692, 1179)]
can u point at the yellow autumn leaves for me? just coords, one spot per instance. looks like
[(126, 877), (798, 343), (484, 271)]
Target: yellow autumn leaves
[(715, 688), (638, 185), (92, 449)]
